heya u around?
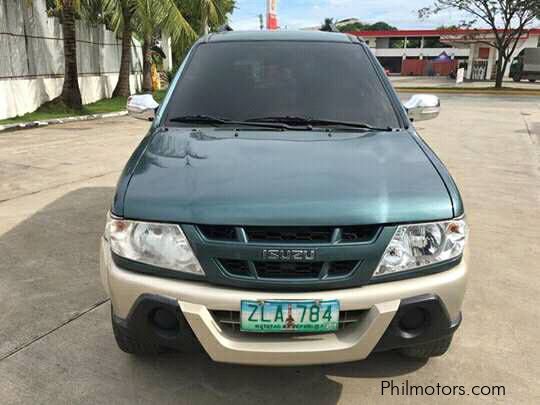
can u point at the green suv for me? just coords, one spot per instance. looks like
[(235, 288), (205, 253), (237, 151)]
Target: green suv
[(283, 210)]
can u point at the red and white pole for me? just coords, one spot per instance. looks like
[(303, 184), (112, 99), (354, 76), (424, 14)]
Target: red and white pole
[(271, 15)]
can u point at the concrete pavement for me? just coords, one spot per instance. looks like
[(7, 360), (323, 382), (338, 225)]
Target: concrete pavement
[(445, 82), (55, 339)]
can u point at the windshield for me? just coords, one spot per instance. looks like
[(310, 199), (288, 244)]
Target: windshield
[(249, 80)]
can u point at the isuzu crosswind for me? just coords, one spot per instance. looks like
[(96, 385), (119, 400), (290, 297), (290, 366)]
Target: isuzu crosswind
[(283, 210)]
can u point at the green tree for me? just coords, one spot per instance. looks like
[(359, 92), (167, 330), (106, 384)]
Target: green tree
[(67, 11), (452, 27), (506, 19), (328, 25), (92, 12), (380, 26), (152, 17), (205, 15), (146, 19), (208, 13), (360, 26), (121, 15), (192, 12)]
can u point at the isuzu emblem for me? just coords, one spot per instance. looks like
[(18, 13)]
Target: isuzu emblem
[(289, 255)]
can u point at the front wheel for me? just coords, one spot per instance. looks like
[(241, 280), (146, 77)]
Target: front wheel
[(426, 350), (532, 80)]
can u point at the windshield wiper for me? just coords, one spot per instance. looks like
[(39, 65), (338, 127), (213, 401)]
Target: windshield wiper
[(196, 119), (296, 120), (211, 120)]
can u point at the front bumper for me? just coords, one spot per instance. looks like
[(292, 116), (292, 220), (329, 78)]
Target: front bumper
[(196, 300)]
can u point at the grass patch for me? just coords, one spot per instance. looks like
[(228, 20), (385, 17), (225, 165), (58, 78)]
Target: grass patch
[(160, 95), (57, 109)]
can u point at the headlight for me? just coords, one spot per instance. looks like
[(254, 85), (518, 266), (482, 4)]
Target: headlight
[(420, 245), (161, 245)]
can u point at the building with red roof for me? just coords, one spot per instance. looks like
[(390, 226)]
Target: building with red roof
[(413, 52)]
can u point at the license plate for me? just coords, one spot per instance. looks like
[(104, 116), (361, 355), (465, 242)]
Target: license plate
[(289, 316)]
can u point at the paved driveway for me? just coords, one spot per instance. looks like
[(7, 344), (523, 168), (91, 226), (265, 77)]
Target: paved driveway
[(56, 345), (446, 82)]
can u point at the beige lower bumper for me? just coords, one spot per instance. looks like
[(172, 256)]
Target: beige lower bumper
[(196, 300)]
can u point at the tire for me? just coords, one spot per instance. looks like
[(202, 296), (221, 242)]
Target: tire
[(532, 80), (516, 78), (432, 349), (131, 344)]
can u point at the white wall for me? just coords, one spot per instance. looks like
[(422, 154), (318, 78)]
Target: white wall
[(32, 58), (18, 97), (530, 42)]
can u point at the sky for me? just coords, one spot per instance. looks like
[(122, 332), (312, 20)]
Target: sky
[(295, 14)]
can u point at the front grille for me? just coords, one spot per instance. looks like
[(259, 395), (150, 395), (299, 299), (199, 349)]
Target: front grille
[(230, 320), (302, 234), (236, 267), (218, 232), (290, 234), (286, 255), (350, 234), (341, 269), (288, 270)]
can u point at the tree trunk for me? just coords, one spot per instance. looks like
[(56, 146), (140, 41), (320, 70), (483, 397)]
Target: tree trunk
[(499, 75), (122, 86), (503, 69), (147, 65), (71, 94), (204, 25)]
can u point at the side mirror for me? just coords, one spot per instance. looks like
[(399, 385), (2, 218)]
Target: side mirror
[(421, 107), (142, 106)]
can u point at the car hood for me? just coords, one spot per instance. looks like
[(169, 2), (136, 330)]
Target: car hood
[(259, 177)]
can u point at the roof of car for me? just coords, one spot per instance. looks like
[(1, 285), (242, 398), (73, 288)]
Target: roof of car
[(314, 36)]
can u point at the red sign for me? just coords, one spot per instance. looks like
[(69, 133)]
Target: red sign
[(271, 15)]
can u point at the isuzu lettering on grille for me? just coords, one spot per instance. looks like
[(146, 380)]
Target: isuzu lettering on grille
[(293, 255)]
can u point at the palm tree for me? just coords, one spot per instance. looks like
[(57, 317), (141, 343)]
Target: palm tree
[(145, 18), (121, 12), (71, 93), (327, 25), (151, 17), (203, 16), (209, 13)]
